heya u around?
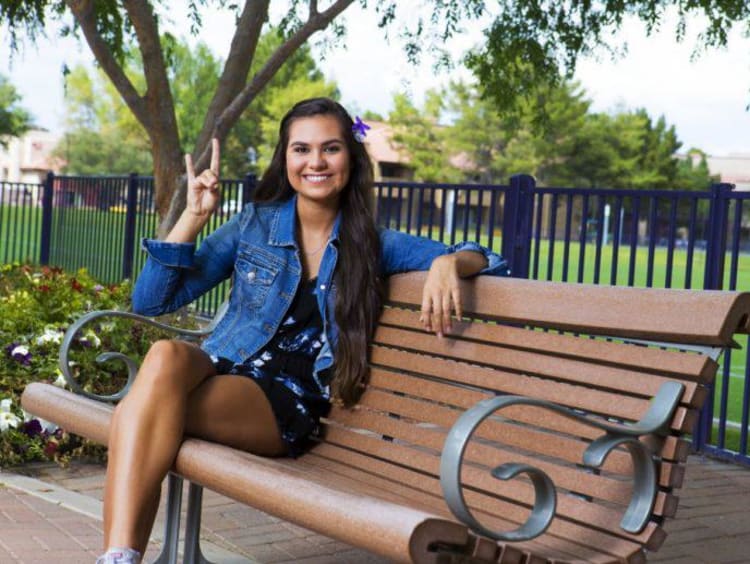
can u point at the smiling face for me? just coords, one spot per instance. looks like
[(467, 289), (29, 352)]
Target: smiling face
[(317, 159)]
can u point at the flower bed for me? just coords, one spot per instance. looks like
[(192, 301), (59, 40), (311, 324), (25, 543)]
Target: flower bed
[(36, 306)]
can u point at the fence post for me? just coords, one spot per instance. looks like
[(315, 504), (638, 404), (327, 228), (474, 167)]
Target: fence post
[(248, 187), (517, 219), (716, 248), (47, 201), (716, 244), (131, 212)]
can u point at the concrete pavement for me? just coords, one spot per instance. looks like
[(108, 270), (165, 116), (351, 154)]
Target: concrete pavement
[(49, 514)]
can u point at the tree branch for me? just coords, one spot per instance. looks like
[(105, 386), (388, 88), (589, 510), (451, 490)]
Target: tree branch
[(231, 114), (84, 14), (237, 66), (159, 101)]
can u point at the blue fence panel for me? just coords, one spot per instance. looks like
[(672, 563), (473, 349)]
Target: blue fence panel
[(147, 221), (724, 422), (20, 221), (445, 212), (88, 224), (654, 238)]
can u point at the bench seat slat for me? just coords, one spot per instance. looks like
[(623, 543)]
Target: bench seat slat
[(517, 490), (656, 360), (76, 414), (362, 515), (564, 535), (515, 511), (637, 313), (419, 488)]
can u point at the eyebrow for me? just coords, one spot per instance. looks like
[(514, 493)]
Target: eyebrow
[(327, 142)]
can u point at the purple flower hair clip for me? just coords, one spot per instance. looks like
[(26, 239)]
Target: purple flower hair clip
[(359, 129)]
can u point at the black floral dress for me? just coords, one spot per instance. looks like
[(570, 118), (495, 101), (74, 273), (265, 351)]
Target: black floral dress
[(284, 371)]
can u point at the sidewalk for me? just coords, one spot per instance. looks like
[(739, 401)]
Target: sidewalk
[(52, 515)]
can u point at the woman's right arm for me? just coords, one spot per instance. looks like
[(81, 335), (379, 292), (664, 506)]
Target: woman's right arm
[(174, 274)]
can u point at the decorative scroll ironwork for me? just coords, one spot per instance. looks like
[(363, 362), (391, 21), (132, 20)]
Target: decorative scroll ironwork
[(655, 421), (132, 366)]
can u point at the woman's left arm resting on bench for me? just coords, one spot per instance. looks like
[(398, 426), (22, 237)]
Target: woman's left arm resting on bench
[(442, 292)]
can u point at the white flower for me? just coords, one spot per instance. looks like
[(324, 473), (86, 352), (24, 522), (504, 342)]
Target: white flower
[(19, 350), (91, 338), (60, 380), (50, 336), (7, 418)]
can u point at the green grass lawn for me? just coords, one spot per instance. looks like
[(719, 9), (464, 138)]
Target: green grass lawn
[(20, 233)]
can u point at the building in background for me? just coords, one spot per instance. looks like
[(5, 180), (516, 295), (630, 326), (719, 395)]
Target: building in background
[(388, 162), (733, 169), (29, 158)]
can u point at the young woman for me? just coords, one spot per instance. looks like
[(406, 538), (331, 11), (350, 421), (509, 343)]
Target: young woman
[(308, 266)]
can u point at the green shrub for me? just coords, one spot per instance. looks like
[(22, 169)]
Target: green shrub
[(37, 304)]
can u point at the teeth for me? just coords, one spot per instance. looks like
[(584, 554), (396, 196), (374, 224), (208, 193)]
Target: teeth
[(320, 178)]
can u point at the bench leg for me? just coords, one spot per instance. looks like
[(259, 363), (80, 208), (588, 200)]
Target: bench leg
[(168, 553), (193, 554)]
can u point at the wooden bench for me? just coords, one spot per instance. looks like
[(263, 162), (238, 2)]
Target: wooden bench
[(596, 389)]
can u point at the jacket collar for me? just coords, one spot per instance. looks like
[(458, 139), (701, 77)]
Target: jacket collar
[(284, 226)]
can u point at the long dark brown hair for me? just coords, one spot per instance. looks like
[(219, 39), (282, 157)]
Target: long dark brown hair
[(359, 292)]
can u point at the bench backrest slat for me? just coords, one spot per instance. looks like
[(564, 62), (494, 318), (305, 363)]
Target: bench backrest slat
[(670, 363), (681, 316), (592, 372), (502, 381)]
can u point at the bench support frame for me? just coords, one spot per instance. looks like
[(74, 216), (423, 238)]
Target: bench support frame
[(192, 553)]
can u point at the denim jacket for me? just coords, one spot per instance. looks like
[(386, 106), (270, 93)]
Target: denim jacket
[(258, 248)]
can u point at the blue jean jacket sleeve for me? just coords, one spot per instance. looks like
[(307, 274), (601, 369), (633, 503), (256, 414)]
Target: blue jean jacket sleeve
[(402, 252), (175, 274)]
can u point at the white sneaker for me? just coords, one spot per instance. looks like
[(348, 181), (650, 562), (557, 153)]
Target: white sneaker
[(120, 556)]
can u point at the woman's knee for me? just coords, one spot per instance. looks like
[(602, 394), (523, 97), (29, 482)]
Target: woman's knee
[(171, 365)]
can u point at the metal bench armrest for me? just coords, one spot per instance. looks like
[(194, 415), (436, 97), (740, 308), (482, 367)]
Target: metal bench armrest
[(132, 366), (655, 421)]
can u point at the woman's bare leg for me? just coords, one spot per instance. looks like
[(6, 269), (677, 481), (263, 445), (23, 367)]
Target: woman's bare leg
[(149, 424)]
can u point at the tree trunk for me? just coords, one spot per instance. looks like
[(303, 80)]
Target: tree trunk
[(169, 184)]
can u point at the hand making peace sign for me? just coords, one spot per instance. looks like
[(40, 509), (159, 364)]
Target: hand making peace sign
[(203, 190)]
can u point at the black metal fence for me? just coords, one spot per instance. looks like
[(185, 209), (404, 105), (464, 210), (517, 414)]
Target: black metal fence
[(659, 238)]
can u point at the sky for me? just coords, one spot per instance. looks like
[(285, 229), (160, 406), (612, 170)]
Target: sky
[(705, 99)]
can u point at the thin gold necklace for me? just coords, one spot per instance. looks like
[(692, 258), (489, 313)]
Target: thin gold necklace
[(316, 251)]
